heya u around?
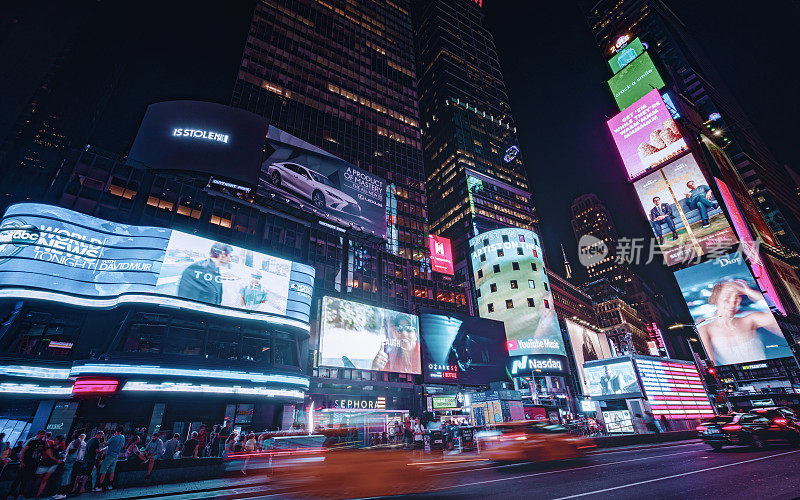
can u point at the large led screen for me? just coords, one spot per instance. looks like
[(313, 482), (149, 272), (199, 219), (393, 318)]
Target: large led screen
[(587, 345), (511, 286), (788, 278), (635, 80), (72, 257), (731, 315), (441, 254), (646, 135), (355, 335), (626, 55), (612, 380), (685, 217), (674, 389), (201, 137), (306, 177), (461, 349)]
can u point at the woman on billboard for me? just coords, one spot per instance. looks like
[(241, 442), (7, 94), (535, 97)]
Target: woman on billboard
[(732, 337), (400, 351)]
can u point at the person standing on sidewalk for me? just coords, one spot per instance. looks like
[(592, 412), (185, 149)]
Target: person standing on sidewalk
[(224, 434), (109, 463)]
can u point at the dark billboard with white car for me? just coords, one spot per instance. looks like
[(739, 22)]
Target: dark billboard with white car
[(202, 137), (306, 177)]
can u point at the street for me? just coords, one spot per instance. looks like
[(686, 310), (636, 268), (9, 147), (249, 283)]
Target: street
[(683, 470)]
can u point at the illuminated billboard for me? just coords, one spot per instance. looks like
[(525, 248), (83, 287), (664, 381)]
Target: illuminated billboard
[(749, 247), (674, 389), (53, 253), (646, 135), (611, 379), (636, 79), (201, 137), (788, 278), (587, 345), (441, 254), (364, 337), (511, 286), (732, 317), (304, 176), (750, 211), (626, 55), (683, 213), (462, 349)]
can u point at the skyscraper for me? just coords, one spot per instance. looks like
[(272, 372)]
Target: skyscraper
[(694, 75), (341, 75), (474, 170)]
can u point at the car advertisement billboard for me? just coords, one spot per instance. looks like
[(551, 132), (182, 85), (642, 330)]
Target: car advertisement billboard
[(732, 317), (462, 349), (511, 286), (75, 258), (626, 55), (306, 177), (646, 135), (612, 379), (685, 217), (587, 345), (636, 79), (201, 137), (788, 278), (364, 337), (745, 202), (441, 254), (749, 247)]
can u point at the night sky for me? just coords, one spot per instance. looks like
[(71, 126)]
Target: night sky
[(554, 72)]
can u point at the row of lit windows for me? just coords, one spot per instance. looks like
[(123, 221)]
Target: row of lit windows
[(510, 304)]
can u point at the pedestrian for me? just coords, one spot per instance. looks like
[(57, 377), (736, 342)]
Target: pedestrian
[(419, 433), (15, 452), (152, 452), (90, 458), (191, 446), (172, 447), (29, 458), (213, 441), (70, 459), (82, 450), (229, 445), (132, 450), (109, 463), (49, 462), (238, 447), (224, 434), (202, 440)]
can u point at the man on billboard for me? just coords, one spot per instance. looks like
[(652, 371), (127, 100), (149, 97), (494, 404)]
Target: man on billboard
[(400, 350), (700, 198), (201, 281), (252, 295), (661, 214), (730, 335)]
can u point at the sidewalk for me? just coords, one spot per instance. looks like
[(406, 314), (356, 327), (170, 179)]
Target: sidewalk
[(187, 491)]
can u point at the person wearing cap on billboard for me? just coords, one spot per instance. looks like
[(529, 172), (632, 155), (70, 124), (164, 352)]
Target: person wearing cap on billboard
[(729, 336), (400, 351), (700, 197), (202, 281), (252, 295)]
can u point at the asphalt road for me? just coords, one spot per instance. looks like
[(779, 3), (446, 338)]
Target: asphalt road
[(682, 470)]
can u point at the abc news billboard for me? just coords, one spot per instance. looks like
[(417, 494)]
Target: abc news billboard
[(56, 254), (306, 177)]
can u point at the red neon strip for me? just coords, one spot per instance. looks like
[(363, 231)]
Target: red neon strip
[(86, 386)]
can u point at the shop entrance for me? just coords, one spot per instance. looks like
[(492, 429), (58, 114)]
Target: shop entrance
[(366, 423)]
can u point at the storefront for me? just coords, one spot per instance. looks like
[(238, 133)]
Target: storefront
[(367, 415), (493, 407)]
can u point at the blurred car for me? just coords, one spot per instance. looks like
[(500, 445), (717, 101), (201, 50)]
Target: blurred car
[(531, 441), (748, 429), (779, 413), (313, 186)]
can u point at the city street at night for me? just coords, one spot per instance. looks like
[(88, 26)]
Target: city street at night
[(673, 470)]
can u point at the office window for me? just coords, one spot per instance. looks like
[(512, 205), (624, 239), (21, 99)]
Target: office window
[(533, 266), (480, 273), (483, 257), (490, 307), (531, 284), (546, 287), (515, 266), (531, 303), (514, 284), (546, 304), (493, 287), (500, 253), (522, 238), (509, 304), (505, 238), (520, 251), (478, 293), (496, 268)]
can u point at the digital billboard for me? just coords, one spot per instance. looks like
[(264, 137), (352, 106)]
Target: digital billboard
[(646, 135), (626, 55), (732, 317), (462, 349), (614, 379), (83, 260), (201, 137), (674, 389), (587, 345), (304, 176), (683, 213), (748, 246), (511, 286), (364, 337), (441, 254), (636, 79), (788, 278), (752, 215)]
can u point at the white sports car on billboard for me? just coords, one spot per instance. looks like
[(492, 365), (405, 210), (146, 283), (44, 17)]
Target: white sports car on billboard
[(313, 186)]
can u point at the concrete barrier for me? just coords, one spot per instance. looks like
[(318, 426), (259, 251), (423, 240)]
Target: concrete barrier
[(649, 438)]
